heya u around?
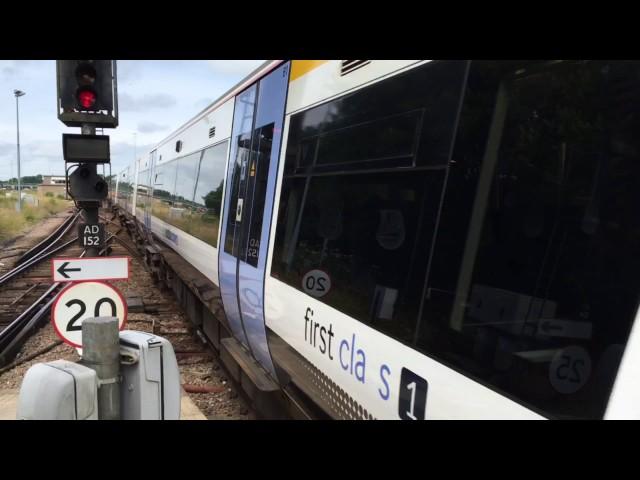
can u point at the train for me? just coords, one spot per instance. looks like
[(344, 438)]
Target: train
[(417, 239)]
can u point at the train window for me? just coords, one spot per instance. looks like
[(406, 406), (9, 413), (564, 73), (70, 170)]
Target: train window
[(180, 211), (361, 191), (413, 111), (509, 251), (142, 189), (238, 158), (534, 284), (257, 189), (396, 137), (208, 196), (125, 189), (163, 190)]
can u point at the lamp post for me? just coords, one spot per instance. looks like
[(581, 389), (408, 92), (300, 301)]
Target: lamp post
[(18, 94)]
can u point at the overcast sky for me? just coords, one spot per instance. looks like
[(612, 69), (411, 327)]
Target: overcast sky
[(155, 97)]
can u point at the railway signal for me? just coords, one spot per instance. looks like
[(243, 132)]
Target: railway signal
[(87, 92), (87, 98)]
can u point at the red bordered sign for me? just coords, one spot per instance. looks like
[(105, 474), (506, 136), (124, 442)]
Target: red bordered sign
[(82, 300), (69, 269)]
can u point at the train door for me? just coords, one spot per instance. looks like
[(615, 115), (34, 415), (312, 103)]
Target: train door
[(253, 165)]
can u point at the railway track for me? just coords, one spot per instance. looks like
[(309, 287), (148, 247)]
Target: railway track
[(27, 290), (26, 335)]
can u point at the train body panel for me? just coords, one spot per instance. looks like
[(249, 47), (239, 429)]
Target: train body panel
[(439, 239), (363, 372), (212, 128), (192, 249), (316, 81)]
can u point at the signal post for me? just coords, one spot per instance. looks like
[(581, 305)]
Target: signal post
[(90, 389), (87, 98)]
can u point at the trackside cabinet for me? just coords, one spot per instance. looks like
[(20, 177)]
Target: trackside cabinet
[(150, 388), (58, 390)]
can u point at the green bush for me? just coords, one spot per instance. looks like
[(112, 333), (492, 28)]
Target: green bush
[(48, 194)]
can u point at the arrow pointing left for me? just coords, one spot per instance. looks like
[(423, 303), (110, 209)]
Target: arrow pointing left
[(62, 270), (69, 269)]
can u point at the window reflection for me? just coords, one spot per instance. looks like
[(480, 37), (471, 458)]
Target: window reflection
[(125, 190), (180, 211), (361, 192), (512, 259), (546, 285), (205, 219), (188, 192), (143, 190), (163, 190)]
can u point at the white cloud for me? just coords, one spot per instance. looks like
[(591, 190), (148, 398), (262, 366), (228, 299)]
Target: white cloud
[(128, 102), (7, 148), (150, 127), (41, 149)]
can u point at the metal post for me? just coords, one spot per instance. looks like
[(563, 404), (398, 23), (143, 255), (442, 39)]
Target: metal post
[(90, 210), (18, 94), (100, 335), (101, 352)]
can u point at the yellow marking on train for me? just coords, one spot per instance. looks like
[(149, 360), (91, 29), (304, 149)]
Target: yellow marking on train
[(301, 67)]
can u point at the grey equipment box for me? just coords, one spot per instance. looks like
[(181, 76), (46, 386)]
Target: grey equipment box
[(58, 390), (150, 388)]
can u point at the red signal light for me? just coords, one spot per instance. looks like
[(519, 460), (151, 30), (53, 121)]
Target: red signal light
[(87, 98)]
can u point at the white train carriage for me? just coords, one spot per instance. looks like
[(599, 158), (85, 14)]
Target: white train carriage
[(418, 239)]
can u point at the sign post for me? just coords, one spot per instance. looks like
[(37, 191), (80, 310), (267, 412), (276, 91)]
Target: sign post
[(87, 97), (102, 354)]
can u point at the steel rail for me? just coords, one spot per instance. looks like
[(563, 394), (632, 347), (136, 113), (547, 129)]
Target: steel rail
[(48, 241), (12, 336), (37, 259)]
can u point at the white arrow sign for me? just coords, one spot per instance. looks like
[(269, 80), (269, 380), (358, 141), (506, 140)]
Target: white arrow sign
[(80, 269), (82, 300)]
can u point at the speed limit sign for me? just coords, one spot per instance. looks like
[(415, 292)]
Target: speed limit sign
[(82, 300)]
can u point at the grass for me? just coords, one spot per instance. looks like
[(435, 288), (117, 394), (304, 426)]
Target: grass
[(13, 222), (202, 226)]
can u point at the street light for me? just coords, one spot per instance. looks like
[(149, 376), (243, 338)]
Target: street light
[(18, 93)]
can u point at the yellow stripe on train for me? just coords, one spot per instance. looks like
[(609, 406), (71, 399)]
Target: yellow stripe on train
[(301, 67)]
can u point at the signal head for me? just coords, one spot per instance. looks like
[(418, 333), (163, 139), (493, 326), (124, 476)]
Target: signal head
[(86, 97), (87, 92)]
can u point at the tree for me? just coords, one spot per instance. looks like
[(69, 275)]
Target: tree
[(213, 199)]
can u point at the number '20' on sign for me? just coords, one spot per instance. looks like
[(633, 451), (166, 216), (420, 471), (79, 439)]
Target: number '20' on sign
[(81, 300)]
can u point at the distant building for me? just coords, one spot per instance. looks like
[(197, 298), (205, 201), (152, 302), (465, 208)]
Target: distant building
[(54, 184)]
